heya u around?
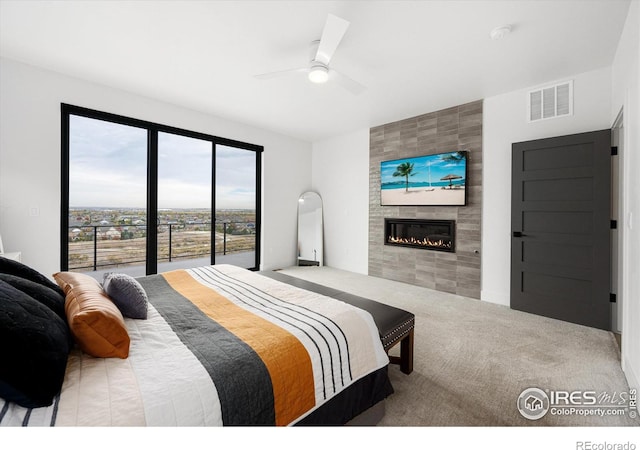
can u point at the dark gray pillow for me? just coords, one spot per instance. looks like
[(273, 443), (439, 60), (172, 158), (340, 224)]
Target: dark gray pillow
[(127, 294)]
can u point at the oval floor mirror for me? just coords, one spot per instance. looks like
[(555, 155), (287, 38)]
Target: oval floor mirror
[(310, 236)]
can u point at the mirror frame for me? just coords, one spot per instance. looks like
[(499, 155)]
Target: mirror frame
[(310, 231)]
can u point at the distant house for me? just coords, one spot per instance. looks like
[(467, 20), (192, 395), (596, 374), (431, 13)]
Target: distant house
[(113, 234), (74, 233)]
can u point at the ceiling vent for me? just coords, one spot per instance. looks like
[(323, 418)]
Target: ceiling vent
[(550, 101)]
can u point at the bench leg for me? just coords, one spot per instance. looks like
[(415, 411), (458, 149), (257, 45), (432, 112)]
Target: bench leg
[(405, 360), (406, 353)]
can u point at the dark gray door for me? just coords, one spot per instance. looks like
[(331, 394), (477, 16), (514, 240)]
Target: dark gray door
[(560, 223)]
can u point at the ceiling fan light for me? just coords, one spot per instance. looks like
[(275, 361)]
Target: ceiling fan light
[(319, 74)]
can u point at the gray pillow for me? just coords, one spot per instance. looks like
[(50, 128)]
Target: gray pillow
[(127, 294)]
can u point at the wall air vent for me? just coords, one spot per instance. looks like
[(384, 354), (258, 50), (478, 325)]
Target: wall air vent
[(550, 101)]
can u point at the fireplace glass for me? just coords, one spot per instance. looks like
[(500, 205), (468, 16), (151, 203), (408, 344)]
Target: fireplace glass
[(421, 233)]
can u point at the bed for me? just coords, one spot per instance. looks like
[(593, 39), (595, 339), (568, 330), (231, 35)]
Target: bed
[(209, 346)]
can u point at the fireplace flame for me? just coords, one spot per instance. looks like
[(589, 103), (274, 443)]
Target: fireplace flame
[(426, 242)]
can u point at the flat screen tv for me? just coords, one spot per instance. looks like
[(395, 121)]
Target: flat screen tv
[(438, 179)]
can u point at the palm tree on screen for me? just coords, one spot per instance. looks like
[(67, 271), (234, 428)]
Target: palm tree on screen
[(455, 157), (405, 170)]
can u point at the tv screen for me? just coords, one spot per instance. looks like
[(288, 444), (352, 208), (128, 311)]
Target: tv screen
[(438, 179)]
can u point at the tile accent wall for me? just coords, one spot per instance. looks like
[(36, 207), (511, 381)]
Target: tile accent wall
[(451, 129)]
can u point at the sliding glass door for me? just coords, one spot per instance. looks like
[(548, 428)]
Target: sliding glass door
[(107, 210), (235, 170), (142, 198), (184, 201)]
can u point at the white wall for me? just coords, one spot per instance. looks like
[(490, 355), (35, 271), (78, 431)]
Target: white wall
[(30, 101), (340, 175), (626, 96), (505, 122)]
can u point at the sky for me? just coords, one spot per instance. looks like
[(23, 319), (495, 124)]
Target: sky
[(108, 168), (429, 167)]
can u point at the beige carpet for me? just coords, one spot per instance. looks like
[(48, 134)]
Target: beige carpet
[(473, 359)]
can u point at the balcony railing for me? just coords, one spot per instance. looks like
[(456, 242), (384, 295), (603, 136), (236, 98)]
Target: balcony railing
[(94, 247)]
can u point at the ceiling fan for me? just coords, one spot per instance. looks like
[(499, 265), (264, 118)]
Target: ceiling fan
[(318, 70)]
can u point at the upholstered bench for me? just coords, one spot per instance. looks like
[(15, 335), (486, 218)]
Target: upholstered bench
[(394, 324)]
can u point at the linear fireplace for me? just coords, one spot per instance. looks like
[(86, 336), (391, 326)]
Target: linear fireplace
[(426, 234)]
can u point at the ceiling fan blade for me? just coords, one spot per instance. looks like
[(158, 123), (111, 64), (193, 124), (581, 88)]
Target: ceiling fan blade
[(280, 73), (334, 30), (348, 83)]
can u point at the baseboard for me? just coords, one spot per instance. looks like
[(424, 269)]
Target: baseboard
[(499, 298), (632, 377)]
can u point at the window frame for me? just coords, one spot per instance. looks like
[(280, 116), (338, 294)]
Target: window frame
[(152, 129)]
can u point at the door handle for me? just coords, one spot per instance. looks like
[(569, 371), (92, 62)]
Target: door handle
[(518, 234)]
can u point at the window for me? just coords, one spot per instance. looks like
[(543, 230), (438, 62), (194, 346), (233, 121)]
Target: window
[(142, 198), (236, 175), (107, 194), (184, 200)]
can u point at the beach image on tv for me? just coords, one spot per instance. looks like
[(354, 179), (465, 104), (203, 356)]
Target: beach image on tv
[(438, 179)]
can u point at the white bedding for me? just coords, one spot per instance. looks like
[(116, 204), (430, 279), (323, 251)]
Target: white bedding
[(162, 382)]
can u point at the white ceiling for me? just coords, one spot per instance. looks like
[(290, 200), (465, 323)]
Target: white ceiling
[(414, 56)]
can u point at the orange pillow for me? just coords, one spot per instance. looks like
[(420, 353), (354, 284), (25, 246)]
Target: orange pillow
[(95, 321)]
